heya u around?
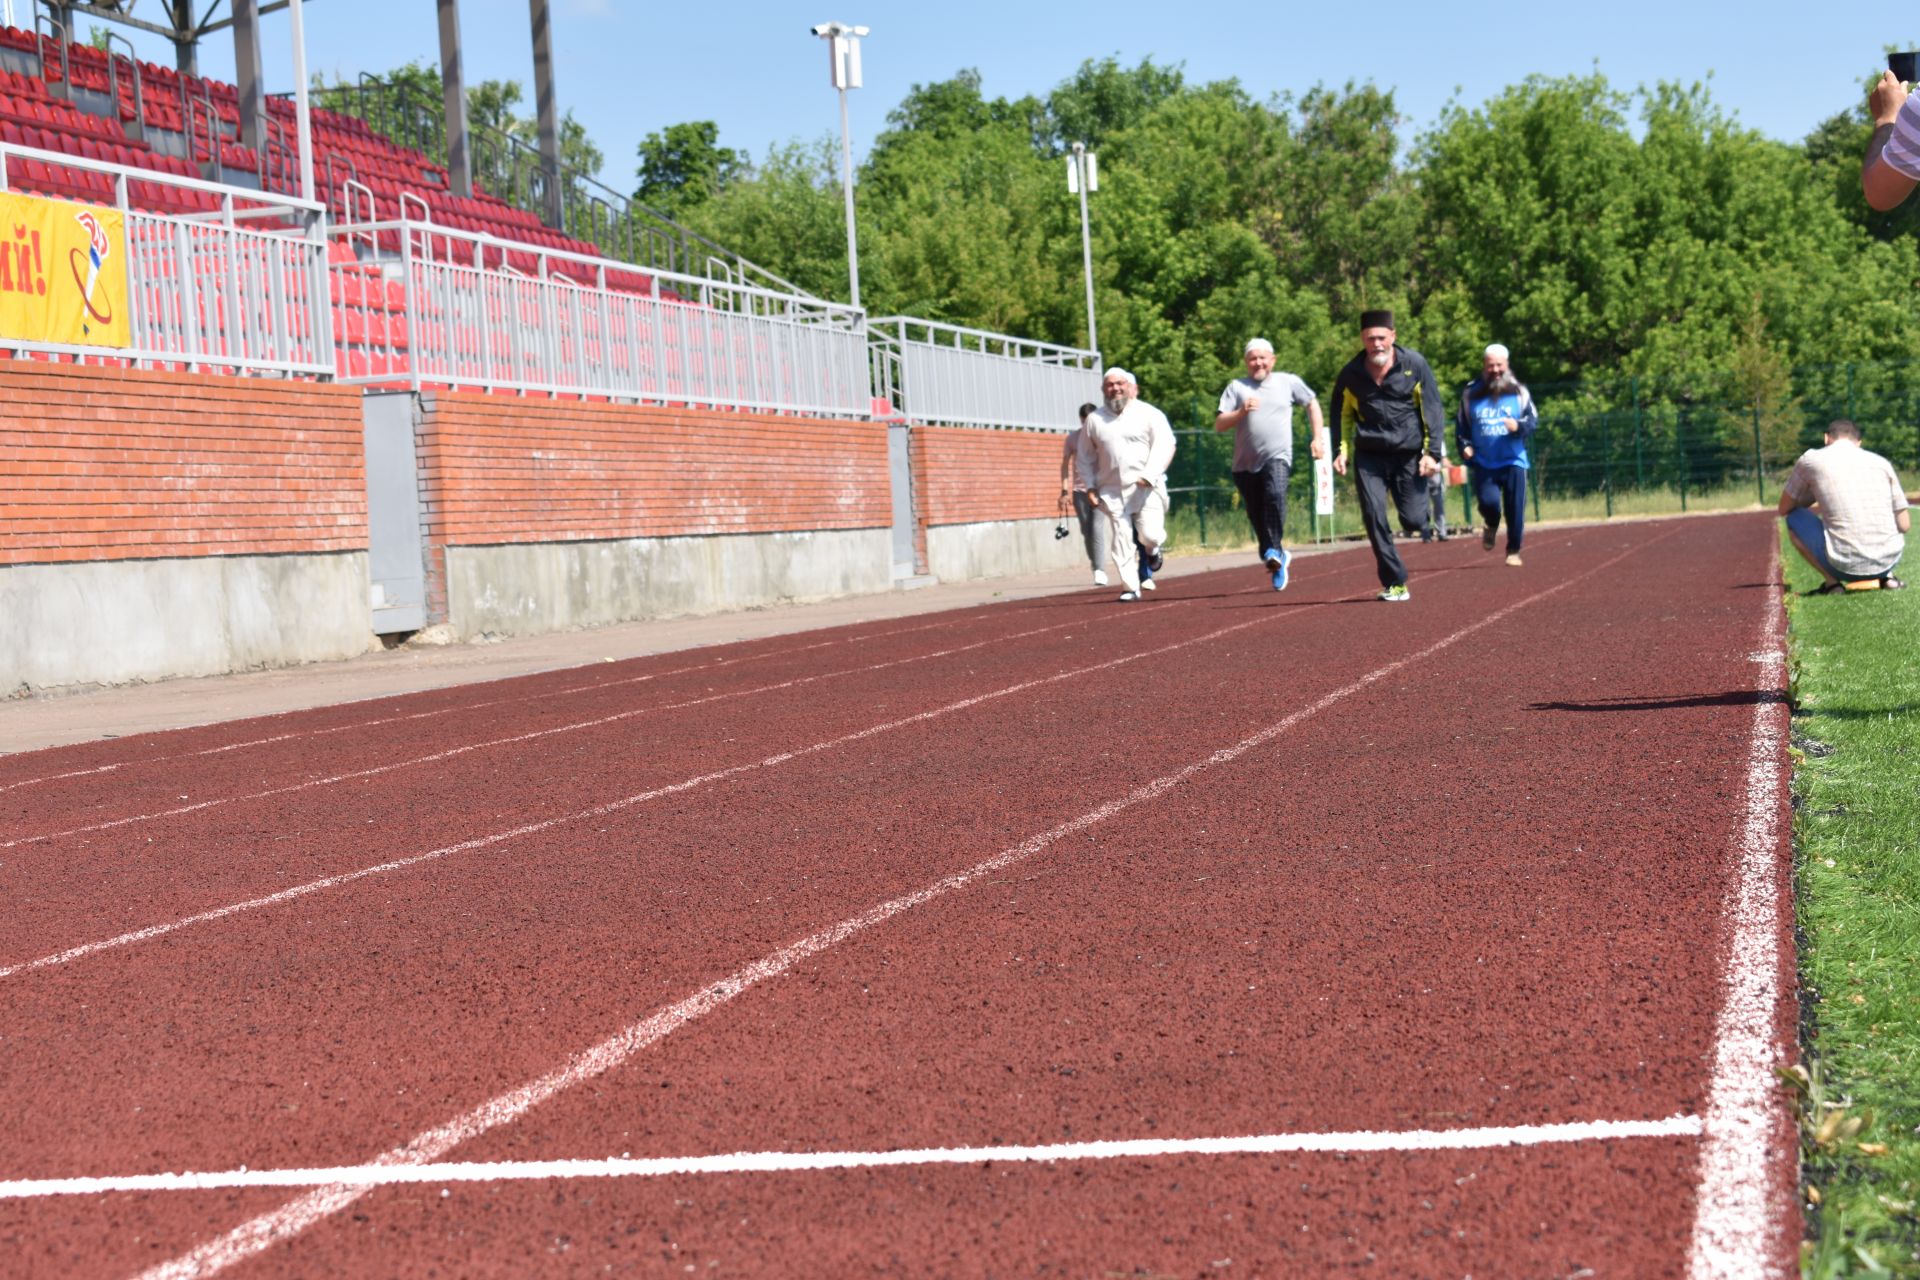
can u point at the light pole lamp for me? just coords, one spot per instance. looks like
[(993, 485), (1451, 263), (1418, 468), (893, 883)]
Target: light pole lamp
[(843, 52), (1083, 175)]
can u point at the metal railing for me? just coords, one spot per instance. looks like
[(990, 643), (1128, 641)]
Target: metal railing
[(514, 170), (943, 373), (425, 305), (240, 284)]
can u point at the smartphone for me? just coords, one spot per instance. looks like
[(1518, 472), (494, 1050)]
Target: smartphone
[(1905, 66)]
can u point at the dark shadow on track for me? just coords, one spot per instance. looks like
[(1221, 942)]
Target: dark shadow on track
[(1732, 698)]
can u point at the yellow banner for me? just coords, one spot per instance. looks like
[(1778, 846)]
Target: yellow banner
[(63, 272)]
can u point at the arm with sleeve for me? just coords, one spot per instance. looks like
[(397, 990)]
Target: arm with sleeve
[(1529, 418), (1463, 420), (1159, 447), (1432, 417)]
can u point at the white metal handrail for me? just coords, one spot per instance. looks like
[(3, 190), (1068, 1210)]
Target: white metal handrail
[(945, 373), (241, 285), (439, 306)]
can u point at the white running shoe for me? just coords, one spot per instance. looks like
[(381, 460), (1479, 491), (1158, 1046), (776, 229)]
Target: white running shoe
[(1099, 577), (1128, 597), (1146, 584)]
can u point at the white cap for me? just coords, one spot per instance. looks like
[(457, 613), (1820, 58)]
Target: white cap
[(1120, 373), (1497, 351), (1257, 344)]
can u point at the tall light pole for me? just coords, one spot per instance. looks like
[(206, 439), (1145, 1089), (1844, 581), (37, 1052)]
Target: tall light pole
[(843, 51), (1083, 175)]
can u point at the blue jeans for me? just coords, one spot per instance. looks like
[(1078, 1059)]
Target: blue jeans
[(1807, 527)]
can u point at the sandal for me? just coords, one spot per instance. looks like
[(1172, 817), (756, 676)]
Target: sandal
[(1891, 583), (1829, 589)]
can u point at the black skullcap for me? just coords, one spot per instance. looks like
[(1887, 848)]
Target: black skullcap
[(1376, 319)]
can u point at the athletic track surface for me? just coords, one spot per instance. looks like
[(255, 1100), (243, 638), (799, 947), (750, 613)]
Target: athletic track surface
[(1230, 934)]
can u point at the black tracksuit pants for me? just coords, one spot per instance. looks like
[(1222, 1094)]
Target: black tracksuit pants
[(1264, 494), (1375, 475)]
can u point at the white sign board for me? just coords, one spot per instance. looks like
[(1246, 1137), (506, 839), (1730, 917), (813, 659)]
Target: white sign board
[(1323, 486)]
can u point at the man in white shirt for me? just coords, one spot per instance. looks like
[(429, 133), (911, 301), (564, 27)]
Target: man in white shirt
[(1892, 165), (1076, 486), (1132, 449), (1846, 512)]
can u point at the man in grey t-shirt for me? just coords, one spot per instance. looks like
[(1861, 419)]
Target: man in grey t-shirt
[(1846, 512), (1258, 409)]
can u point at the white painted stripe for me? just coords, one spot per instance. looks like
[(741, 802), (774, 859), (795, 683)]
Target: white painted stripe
[(1737, 1227), (261, 1233), (357, 725), (576, 726), (388, 1175), (534, 828)]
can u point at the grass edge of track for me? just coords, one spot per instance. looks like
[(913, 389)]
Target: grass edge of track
[(1856, 791)]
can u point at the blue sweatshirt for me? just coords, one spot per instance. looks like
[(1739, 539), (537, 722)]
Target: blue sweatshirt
[(1479, 425)]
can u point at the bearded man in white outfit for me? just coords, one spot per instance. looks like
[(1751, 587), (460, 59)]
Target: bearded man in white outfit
[(1132, 448)]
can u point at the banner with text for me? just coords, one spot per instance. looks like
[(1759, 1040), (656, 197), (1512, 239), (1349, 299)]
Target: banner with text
[(63, 272)]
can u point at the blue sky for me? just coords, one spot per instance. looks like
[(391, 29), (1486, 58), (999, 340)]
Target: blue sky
[(626, 69)]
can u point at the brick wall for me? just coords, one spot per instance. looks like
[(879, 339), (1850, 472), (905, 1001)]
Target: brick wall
[(502, 469), (114, 464), (966, 475)]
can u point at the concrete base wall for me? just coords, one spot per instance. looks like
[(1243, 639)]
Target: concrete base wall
[(1002, 548), (115, 621), (520, 589)]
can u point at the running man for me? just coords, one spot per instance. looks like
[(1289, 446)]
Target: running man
[(1394, 402), (1258, 409), (1132, 448), (1495, 422)]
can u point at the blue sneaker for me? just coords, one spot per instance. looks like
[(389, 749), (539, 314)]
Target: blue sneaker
[(1278, 563)]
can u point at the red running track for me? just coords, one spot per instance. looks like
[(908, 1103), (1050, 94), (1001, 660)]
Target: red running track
[(1499, 869)]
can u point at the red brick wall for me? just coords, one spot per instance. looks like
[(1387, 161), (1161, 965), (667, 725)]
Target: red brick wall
[(113, 464), (963, 475), (500, 469)]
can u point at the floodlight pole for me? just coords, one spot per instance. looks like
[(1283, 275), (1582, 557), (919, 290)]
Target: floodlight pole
[(302, 116), (843, 51), (1082, 171)]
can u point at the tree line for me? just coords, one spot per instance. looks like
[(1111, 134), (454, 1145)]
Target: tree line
[(1599, 233)]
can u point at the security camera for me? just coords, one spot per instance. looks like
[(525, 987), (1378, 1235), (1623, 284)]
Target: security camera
[(823, 29)]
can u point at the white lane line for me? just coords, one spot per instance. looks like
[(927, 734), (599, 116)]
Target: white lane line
[(451, 752), (1739, 1224), (388, 1175), (533, 828), (263, 1232), (467, 706)]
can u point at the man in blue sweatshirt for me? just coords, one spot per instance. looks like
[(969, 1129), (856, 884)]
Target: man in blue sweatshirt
[(1495, 422)]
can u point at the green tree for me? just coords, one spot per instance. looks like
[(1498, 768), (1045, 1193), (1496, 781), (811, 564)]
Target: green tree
[(685, 165)]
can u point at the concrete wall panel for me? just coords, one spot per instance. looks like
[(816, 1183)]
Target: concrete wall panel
[(118, 621), (1001, 548), (530, 588)]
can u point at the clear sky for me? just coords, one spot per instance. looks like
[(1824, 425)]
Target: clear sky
[(627, 69)]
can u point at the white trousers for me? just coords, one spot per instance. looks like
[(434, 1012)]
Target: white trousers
[(1142, 512)]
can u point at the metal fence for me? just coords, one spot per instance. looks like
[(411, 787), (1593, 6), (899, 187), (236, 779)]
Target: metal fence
[(943, 373), (234, 280), (423, 305)]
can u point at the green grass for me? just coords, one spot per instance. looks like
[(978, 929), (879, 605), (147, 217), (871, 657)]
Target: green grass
[(1856, 675), (1645, 502)]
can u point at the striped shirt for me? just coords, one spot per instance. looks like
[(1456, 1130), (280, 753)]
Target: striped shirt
[(1858, 494), (1902, 151)]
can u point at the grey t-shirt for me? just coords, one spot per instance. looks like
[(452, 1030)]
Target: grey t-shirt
[(1267, 432), (1859, 495)]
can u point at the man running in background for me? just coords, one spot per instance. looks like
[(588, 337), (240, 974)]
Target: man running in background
[(1132, 448), (1496, 420), (1394, 403), (1258, 409), (1076, 484)]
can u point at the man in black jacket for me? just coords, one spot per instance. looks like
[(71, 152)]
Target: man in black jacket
[(1394, 403)]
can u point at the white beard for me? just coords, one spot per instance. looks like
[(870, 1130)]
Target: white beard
[(1382, 360), (1116, 405)]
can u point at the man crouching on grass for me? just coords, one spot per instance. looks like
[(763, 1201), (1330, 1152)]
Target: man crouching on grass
[(1859, 528)]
